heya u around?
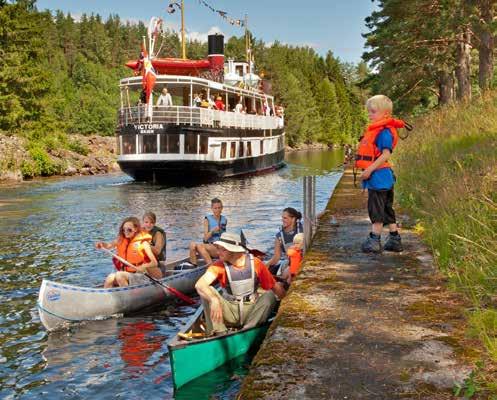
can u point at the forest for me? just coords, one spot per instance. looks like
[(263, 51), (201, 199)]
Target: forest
[(430, 53), (60, 76)]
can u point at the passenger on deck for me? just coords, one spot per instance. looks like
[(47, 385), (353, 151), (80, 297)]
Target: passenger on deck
[(197, 100), (239, 107), (204, 103), (291, 226), (219, 103), (212, 103), (240, 303), (158, 243), (133, 245), (165, 99), (214, 226)]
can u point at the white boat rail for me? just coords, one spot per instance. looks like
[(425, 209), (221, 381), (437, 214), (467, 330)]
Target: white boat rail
[(194, 116)]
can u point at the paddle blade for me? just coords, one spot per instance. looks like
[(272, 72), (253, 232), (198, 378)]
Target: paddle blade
[(180, 295), (257, 253)]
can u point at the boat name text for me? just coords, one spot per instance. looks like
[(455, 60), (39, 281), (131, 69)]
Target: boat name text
[(148, 128)]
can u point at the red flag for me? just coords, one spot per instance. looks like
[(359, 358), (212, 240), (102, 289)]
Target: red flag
[(149, 76)]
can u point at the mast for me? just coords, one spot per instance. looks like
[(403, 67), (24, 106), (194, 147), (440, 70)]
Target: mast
[(247, 41), (183, 44)]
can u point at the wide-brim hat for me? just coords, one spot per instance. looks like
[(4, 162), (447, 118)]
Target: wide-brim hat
[(231, 242)]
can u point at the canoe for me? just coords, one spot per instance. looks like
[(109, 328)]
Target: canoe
[(191, 359), (61, 304)]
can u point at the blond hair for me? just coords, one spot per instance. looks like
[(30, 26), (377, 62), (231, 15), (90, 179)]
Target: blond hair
[(380, 102), (298, 238)]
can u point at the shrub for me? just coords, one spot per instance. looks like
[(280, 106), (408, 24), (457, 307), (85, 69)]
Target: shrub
[(78, 147)]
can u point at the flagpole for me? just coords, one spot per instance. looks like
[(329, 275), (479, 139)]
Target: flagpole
[(183, 44), (246, 39)]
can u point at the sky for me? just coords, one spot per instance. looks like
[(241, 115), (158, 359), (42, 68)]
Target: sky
[(324, 25)]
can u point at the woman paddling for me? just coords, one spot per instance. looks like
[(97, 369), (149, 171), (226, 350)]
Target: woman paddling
[(291, 226), (133, 245)]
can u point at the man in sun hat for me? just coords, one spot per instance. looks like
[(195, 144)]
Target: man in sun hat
[(240, 304)]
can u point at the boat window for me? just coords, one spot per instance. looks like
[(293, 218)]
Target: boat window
[(169, 143), (233, 150), (241, 150), (261, 151), (204, 144), (191, 143), (249, 149), (129, 144), (147, 144), (223, 149)]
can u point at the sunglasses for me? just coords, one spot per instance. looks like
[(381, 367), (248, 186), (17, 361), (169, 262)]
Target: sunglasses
[(127, 230)]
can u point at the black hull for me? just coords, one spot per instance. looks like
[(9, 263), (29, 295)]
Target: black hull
[(181, 171)]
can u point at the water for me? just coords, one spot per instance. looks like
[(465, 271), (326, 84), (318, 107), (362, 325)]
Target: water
[(48, 229)]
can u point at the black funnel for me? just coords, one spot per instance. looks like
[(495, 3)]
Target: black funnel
[(215, 44)]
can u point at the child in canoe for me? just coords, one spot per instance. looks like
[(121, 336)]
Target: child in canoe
[(133, 245)]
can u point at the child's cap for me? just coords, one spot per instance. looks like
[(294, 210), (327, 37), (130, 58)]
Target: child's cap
[(298, 238)]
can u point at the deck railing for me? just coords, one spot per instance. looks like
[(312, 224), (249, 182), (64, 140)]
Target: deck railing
[(181, 115)]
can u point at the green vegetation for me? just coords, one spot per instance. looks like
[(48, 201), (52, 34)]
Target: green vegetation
[(447, 179), (424, 52)]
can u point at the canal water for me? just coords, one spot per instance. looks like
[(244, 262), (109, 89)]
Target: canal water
[(48, 229)]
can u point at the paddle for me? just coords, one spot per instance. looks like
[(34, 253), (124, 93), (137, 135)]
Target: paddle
[(254, 252), (172, 290)]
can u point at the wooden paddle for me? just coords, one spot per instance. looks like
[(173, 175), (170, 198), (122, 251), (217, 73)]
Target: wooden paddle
[(172, 290)]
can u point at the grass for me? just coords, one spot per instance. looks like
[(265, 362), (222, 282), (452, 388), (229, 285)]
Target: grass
[(447, 179)]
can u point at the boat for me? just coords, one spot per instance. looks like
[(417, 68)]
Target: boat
[(193, 358), (190, 140), (60, 304)]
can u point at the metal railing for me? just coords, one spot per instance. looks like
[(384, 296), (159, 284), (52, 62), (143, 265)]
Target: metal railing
[(183, 115)]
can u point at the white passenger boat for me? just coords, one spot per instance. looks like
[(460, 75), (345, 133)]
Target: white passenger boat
[(61, 304), (191, 139)]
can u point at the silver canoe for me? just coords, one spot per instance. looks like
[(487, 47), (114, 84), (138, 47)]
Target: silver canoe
[(60, 304)]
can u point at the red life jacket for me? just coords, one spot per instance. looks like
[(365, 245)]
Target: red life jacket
[(133, 251), (368, 152)]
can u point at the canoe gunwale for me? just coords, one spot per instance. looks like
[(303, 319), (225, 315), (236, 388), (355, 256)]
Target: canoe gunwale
[(67, 286)]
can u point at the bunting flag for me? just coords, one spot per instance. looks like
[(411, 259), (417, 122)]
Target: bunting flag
[(223, 14), (171, 7)]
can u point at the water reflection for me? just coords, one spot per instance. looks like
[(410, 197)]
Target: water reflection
[(47, 230)]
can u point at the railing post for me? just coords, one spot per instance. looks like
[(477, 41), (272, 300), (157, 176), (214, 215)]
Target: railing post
[(309, 206)]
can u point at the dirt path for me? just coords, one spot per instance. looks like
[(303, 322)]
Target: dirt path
[(357, 326)]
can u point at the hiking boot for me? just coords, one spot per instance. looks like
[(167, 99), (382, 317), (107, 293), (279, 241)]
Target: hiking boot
[(394, 243), (372, 244)]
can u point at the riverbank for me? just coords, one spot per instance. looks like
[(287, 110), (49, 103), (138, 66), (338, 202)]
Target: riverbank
[(81, 155), (366, 326)]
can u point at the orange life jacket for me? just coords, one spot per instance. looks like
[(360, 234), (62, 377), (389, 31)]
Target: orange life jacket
[(295, 257), (368, 152), (133, 250)]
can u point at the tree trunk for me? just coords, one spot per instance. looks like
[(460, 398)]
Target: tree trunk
[(446, 87), (463, 64), (486, 67)]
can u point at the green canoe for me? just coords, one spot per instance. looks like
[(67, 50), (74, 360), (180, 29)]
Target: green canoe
[(193, 358)]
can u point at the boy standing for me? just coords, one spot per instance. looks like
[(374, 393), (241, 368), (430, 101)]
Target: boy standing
[(375, 148)]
